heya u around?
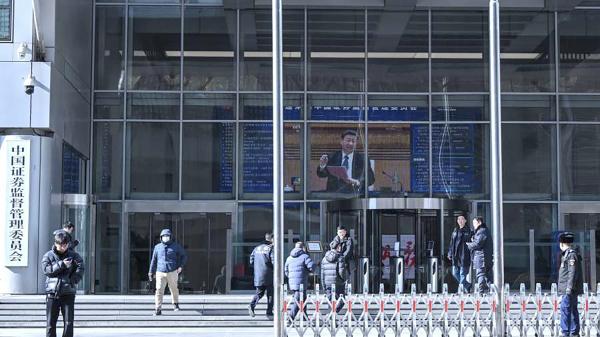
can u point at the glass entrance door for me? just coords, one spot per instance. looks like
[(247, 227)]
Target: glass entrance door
[(586, 227), (76, 209), (204, 236)]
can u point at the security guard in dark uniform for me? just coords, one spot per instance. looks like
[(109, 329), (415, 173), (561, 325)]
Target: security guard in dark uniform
[(570, 285), (262, 259)]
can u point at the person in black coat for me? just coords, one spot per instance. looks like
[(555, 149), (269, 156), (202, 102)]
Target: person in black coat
[(458, 252), (63, 268), (345, 246), (68, 228), (354, 163), (570, 284), (333, 273), (262, 260), (481, 247)]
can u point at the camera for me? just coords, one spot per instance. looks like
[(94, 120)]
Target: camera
[(29, 84)]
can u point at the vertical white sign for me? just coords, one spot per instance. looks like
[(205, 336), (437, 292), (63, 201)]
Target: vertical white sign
[(17, 202)]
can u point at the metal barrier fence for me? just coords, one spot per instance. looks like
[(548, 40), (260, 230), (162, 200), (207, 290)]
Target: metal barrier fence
[(435, 314)]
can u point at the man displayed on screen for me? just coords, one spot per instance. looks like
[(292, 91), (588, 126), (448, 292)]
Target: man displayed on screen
[(344, 169)]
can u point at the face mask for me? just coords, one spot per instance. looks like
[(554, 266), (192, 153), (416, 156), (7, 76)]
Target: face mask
[(165, 239)]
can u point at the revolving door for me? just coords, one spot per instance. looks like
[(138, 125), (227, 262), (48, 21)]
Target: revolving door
[(414, 230)]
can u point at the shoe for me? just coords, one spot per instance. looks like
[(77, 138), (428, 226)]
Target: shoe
[(250, 311), (176, 307), (157, 312), (270, 316)]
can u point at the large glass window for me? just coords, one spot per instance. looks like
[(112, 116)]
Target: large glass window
[(528, 108), (256, 49), (529, 159), (154, 48), (580, 108), (527, 51), (6, 20), (208, 160), (109, 71), (153, 106), (152, 160), (108, 105), (580, 162), (336, 165), (331, 107), (398, 51), (108, 160), (210, 45), (578, 42), (336, 47), (260, 106), (108, 248), (459, 108), (208, 106), (399, 157), (460, 159), (459, 54)]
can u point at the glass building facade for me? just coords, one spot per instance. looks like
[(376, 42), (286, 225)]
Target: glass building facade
[(181, 132)]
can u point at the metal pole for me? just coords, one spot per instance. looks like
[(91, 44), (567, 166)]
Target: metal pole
[(496, 158), (276, 31)]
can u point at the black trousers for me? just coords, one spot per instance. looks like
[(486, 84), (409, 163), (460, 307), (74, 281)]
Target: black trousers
[(339, 293), (56, 305), (260, 292)]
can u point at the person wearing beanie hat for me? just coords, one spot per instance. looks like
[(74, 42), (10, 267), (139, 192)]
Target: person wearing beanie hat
[(570, 285)]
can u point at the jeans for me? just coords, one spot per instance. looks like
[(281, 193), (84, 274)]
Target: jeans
[(55, 305), (460, 274), (294, 306), (569, 315), (260, 292)]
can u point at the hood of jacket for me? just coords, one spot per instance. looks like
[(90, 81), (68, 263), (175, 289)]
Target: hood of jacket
[(297, 252), (332, 256)]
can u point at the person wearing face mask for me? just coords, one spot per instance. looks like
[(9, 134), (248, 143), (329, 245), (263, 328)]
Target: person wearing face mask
[(168, 259)]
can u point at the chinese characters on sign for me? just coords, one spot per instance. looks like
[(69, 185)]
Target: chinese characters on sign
[(17, 202)]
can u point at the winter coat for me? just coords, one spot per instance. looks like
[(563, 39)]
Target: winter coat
[(167, 257), (346, 250), (481, 247), (332, 271), (60, 279), (458, 251), (262, 259), (72, 243), (297, 267), (570, 281)]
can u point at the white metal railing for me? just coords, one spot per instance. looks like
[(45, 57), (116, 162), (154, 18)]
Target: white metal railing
[(440, 314)]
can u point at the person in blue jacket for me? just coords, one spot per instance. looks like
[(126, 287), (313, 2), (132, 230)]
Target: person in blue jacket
[(262, 260), (168, 259), (297, 266)]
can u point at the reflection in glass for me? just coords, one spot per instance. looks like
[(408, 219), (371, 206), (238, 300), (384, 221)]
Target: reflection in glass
[(109, 50), (337, 161), (529, 159), (152, 160), (209, 44), (208, 106), (517, 271), (260, 106), (398, 51), (108, 105), (256, 167), (580, 108), (254, 220), (336, 107), (460, 108), (459, 54), (460, 160), (108, 160), (527, 51), (528, 108), (336, 45), (108, 248), (520, 218), (580, 162), (152, 106), (398, 108), (255, 49), (579, 64), (399, 155), (208, 160), (154, 48)]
